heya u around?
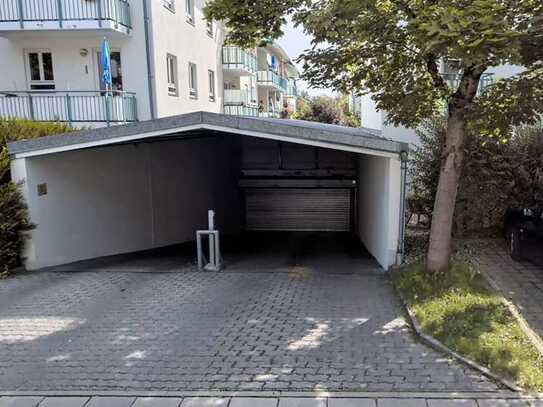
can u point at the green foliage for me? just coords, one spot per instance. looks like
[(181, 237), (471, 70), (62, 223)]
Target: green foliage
[(497, 174), (13, 211), (459, 309), (326, 109), (13, 223), (392, 48)]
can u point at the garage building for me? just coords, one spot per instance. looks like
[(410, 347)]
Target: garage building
[(147, 185)]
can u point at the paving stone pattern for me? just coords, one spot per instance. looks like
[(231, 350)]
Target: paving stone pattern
[(264, 402), (214, 331), (522, 282)]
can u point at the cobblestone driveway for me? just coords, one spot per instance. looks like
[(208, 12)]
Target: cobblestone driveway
[(213, 331)]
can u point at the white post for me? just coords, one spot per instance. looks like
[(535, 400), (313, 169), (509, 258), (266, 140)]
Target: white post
[(211, 227)]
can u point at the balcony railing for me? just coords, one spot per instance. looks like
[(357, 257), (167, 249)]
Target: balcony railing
[(64, 13), (69, 106), (271, 78), (238, 58), (241, 110), (292, 89), (239, 97), (453, 80), (270, 114)]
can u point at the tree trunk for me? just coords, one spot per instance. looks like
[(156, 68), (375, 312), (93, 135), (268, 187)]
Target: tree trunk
[(451, 168)]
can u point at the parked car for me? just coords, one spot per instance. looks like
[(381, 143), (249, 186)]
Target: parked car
[(524, 233)]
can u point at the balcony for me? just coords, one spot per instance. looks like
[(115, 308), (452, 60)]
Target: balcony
[(453, 81), (272, 80), (69, 107), (270, 114), (236, 97), (292, 89), (241, 110), (236, 59), (29, 15)]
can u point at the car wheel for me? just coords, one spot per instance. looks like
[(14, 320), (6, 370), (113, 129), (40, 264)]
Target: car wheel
[(513, 240)]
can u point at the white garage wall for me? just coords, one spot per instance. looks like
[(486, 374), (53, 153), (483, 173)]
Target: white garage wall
[(126, 198), (379, 194)]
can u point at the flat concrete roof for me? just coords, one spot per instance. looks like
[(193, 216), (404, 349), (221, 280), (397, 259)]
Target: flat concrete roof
[(185, 124)]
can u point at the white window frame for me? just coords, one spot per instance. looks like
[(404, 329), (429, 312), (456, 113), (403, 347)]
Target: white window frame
[(172, 75), (193, 80), (210, 28), (169, 5), (42, 81), (212, 85), (189, 11)]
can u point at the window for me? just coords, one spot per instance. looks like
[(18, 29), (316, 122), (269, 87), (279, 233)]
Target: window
[(193, 80), (40, 70), (170, 5), (209, 30), (189, 10), (171, 67), (211, 78)]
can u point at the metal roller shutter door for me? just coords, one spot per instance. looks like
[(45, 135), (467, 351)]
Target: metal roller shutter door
[(298, 209)]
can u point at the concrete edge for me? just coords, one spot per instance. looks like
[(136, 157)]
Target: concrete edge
[(434, 343), (536, 340), (501, 395)]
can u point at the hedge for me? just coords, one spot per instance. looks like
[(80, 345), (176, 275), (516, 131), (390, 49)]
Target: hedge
[(14, 220), (496, 176)]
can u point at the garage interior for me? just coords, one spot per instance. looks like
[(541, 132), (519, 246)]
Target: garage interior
[(279, 204)]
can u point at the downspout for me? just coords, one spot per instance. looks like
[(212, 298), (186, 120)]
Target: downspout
[(403, 197), (149, 50)]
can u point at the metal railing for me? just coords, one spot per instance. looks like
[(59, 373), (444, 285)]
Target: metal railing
[(62, 11), (292, 88), (238, 58), (271, 78), (270, 114), (69, 106), (239, 97), (241, 110), (453, 81)]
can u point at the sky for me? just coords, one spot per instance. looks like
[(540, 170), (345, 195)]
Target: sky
[(294, 42)]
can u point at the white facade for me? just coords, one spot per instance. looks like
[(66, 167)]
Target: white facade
[(173, 64)]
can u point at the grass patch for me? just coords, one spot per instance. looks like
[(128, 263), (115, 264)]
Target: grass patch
[(461, 310)]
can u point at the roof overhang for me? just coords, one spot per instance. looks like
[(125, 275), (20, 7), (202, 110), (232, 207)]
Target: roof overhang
[(295, 131)]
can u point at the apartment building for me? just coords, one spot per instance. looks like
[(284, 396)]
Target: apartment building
[(373, 118), (166, 60)]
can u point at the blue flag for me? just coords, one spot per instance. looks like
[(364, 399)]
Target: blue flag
[(105, 62)]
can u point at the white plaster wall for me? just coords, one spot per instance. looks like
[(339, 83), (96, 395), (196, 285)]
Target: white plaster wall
[(74, 72), (189, 42), (369, 114), (379, 181), (138, 197)]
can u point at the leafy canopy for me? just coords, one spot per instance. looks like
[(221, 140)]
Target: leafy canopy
[(392, 49)]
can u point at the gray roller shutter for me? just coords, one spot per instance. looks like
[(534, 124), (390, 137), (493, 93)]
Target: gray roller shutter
[(298, 209)]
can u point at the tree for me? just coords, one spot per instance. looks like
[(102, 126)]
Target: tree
[(326, 109), (392, 49)]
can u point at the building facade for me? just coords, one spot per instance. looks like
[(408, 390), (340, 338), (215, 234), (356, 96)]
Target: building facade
[(166, 60)]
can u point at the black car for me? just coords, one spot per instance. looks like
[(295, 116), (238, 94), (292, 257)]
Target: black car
[(524, 234)]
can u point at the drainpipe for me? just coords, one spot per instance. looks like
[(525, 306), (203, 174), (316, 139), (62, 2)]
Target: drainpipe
[(149, 51), (403, 197)]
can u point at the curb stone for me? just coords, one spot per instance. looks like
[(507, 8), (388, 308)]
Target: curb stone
[(536, 340)]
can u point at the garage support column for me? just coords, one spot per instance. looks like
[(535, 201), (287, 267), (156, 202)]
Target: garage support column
[(19, 175), (403, 198)]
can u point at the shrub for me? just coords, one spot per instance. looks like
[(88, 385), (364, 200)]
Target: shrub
[(496, 175), (14, 221), (13, 225)]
